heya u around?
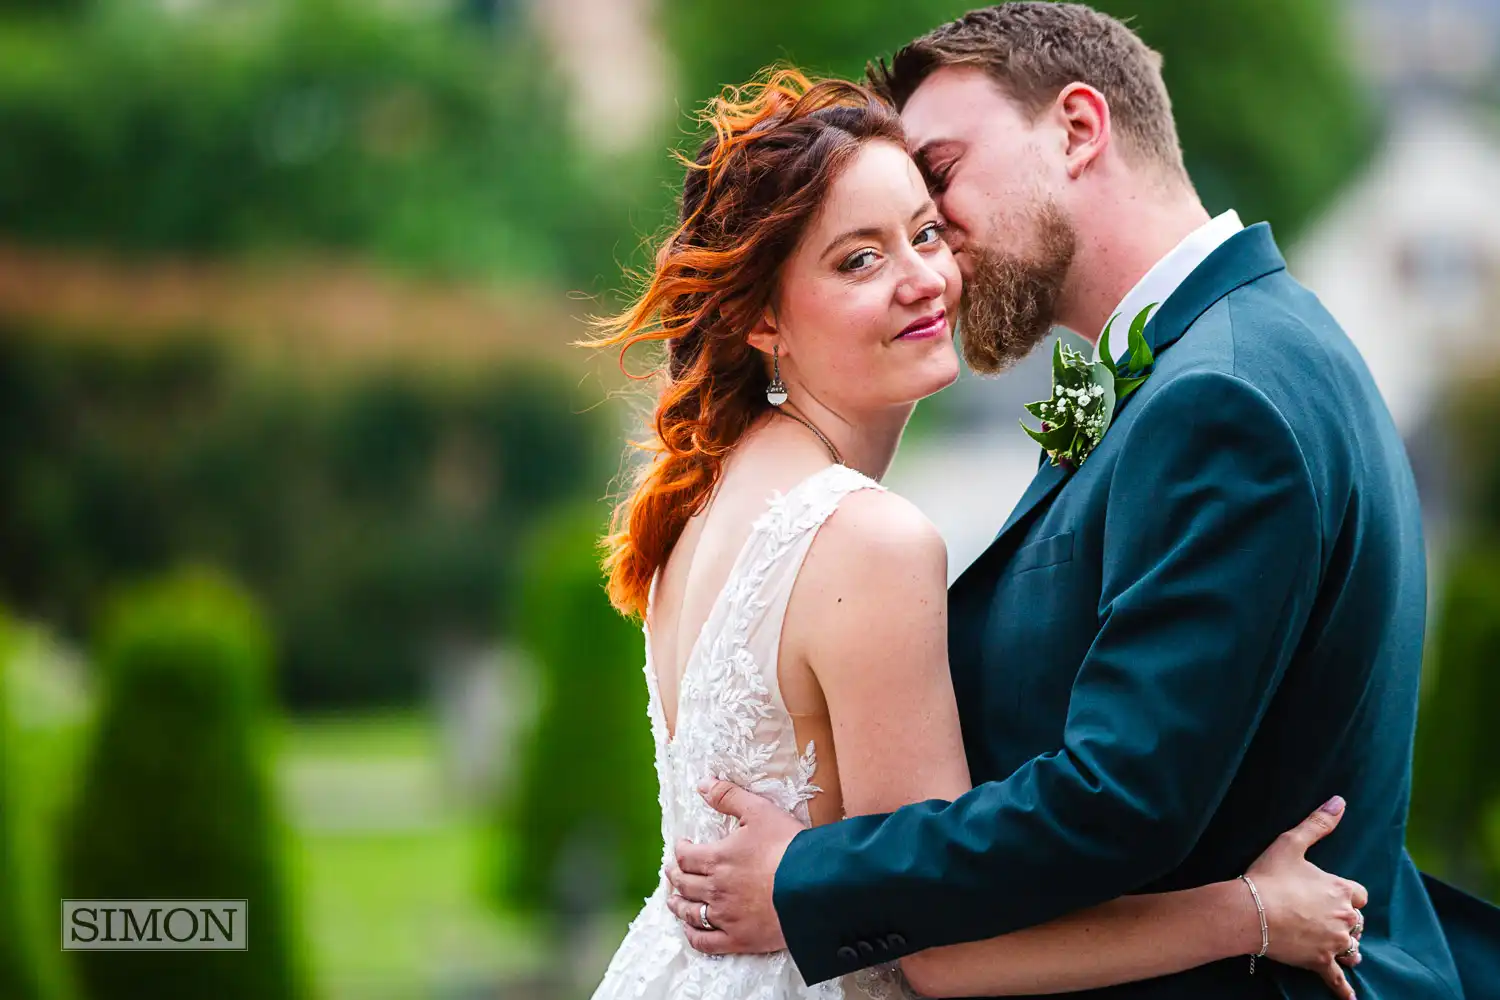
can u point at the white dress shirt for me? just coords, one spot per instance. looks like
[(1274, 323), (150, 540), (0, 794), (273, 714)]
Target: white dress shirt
[(1164, 277)]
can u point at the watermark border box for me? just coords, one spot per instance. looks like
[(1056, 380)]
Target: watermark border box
[(241, 942)]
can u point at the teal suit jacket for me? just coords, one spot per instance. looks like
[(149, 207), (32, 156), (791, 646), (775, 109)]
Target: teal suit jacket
[(1170, 656)]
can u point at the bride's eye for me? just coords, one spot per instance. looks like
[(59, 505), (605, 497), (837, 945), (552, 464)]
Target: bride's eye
[(929, 234), (852, 262)]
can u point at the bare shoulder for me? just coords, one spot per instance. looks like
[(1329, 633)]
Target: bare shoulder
[(869, 611), (874, 539)]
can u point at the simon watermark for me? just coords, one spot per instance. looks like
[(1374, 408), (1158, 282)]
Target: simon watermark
[(155, 924)]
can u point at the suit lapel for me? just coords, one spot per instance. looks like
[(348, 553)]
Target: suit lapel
[(1044, 485), (1244, 257)]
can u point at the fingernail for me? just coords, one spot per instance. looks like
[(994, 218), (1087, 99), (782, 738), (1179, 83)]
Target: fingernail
[(1334, 805), (704, 786)]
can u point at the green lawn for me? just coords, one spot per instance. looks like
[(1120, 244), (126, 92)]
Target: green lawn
[(400, 911), (391, 893)]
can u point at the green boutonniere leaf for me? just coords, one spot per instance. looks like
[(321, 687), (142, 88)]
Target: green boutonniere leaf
[(1085, 394), (1125, 386), (1106, 353), (1141, 357)]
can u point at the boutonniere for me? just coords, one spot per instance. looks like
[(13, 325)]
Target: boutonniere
[(1085, 394)]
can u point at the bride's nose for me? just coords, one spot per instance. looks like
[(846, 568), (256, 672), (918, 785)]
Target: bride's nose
[(921, 282)]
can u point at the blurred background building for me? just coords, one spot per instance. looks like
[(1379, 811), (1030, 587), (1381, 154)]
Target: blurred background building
[(298, 466)]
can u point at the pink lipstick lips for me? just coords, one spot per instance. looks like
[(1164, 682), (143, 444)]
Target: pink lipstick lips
[(927, 327)]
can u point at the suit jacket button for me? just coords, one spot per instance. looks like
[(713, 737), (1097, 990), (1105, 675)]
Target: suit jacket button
[(896, 941), (866, 948), (848, 954)]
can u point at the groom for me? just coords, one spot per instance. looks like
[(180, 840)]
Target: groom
[(1180, 643)]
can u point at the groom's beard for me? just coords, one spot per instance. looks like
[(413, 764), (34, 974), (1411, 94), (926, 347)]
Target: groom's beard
[(1010, 299)]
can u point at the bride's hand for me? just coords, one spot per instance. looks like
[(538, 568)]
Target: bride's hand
[(1313, 917)]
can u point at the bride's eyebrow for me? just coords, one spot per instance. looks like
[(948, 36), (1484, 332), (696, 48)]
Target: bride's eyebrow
[(871, 232)]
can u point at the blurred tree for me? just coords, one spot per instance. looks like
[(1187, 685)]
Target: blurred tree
[(833, 39), (43, 6), (1271, 119), (176, 798), (582, 827), (391, 132), (20, 971), (490, 14)]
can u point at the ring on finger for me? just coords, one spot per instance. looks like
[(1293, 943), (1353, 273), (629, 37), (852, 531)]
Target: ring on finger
[(1359, 925), (703, 919), (1353, 948)]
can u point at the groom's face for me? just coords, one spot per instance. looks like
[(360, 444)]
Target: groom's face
[(991, 173)]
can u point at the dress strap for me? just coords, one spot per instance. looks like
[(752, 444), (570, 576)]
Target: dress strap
[(807, 505), (774, 556)]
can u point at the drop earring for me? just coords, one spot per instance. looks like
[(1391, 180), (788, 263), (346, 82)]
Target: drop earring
[(776, 391)]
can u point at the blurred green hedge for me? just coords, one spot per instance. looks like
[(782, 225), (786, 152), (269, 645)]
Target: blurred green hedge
[(20, 969), (1455, 816), (377, 517), (583, 824), (176, 799), (1456, 785)]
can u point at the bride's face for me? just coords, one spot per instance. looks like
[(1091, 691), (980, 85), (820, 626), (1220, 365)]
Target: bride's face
[(866, 302)]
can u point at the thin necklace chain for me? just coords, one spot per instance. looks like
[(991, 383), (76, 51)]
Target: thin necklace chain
[(834, 452)]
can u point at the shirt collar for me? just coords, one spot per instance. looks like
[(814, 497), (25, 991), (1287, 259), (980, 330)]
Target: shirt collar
[(1169, 272)]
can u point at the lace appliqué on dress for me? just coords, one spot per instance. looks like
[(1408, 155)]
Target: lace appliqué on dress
[(884, 982), (727, 704)]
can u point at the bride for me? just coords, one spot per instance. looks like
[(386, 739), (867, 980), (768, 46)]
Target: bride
[(807, 301)]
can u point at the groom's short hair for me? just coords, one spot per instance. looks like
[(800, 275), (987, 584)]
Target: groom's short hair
[(1032, 50)]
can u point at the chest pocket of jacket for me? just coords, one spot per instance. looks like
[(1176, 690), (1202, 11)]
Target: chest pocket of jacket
[(1049, 551), (1035, 599)]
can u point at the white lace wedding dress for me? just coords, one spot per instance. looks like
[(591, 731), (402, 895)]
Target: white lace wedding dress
[(732, 724)]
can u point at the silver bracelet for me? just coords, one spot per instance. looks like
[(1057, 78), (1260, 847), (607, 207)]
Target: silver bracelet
[(1265, 931)]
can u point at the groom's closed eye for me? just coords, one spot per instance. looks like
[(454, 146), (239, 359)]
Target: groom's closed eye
[(937, 180), (935, 161)]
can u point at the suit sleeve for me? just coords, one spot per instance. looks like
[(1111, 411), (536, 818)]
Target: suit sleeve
[(1211, 559)]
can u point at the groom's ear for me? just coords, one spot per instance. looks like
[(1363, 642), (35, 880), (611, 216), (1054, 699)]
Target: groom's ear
[(1084, 115)]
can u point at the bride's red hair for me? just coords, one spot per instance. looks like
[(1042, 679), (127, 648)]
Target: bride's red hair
[(777, 145)]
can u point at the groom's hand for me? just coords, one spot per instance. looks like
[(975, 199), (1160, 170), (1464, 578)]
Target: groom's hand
[(734, 876)]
